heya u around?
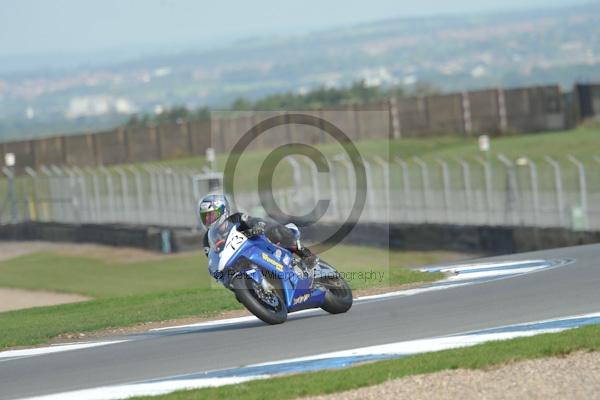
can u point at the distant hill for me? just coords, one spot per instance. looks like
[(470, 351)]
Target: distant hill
[(559, 45)]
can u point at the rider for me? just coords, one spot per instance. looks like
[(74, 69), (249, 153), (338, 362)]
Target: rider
[(214, 206)]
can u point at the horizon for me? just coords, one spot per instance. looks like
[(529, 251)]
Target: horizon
[(68, 51)]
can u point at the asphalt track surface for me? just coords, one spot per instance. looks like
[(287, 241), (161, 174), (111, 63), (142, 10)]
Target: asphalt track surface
[(552, 293)]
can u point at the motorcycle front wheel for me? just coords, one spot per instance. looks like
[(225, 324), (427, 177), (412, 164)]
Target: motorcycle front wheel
[(269, 307)]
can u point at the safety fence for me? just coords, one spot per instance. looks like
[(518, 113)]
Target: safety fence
[(489, 191), (493, 111)]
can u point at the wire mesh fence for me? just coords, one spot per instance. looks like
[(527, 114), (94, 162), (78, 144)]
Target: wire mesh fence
[(492, 191)]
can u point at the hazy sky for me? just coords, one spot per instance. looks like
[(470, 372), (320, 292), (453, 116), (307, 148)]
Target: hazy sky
[(67, 26)]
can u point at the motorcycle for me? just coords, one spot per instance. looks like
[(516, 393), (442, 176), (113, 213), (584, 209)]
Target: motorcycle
[(267, 279)]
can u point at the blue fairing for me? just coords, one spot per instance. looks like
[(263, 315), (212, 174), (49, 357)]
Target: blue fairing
[(261, 259)]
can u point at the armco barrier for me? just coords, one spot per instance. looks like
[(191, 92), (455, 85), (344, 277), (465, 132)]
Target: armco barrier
[(476, 239), (149, 238)]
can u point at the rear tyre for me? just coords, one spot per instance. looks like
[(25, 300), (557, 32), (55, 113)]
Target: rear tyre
[(248, 293), (338, 298)]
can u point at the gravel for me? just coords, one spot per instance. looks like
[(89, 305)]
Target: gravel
[(576, 376), (18, 299)]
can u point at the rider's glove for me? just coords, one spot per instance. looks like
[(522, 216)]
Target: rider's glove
[(257, 229)]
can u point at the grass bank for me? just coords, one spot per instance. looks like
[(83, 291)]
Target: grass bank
[(582, 143)]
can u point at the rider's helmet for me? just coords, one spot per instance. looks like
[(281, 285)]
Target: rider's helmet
[(211, 208)]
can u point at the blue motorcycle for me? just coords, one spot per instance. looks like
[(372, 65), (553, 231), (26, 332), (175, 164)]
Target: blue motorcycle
[(267, 279)]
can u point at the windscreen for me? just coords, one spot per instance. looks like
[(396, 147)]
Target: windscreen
[(217, 234)]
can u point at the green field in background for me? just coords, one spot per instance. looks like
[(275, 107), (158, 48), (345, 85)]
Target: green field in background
[(583, 143)]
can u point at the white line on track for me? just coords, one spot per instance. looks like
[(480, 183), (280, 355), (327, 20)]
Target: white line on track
[(37, 351), (146, 389)]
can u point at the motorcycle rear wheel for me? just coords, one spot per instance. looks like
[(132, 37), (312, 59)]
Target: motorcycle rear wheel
[(338, 298), (247, 294)]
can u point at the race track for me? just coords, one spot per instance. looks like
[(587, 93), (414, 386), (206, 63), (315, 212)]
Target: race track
[(569, 288)]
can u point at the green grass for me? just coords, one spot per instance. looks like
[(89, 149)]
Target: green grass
[(97, 278), (100, 279), (39, 325), (168, 288), (584, 143), (481, 356)]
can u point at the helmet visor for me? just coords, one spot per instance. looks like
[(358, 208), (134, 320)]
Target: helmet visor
[(209, 217)]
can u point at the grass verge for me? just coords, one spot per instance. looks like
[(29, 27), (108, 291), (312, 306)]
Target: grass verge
[(480, 356), (159, 290), (39, 325), (101, 278)]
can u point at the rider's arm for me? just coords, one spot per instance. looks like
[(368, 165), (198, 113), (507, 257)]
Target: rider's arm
[(246, 223)]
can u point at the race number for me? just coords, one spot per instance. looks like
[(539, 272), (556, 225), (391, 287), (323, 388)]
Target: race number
[(234, 240)]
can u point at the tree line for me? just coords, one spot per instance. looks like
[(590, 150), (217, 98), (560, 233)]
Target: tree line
[(357, 93)]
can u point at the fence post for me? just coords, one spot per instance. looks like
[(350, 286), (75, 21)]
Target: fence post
[(61, 192), (111, 193), (12, 194), (180, 197), (162, 195), (349, 170), (189, 198), (535, 190), (75, 203), (466, 173), (124, 193), (582, 186), (385, 171), (34, 215), (296, 171), (406, 185), (50, 206), (96, 191), (153, 193), (558, 187), (370, 191), (139, 192), (446, 183), (512, 189), (297, 176), (86, 204), (314, 173), (348, 165), (426, 187), (487, 176)]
